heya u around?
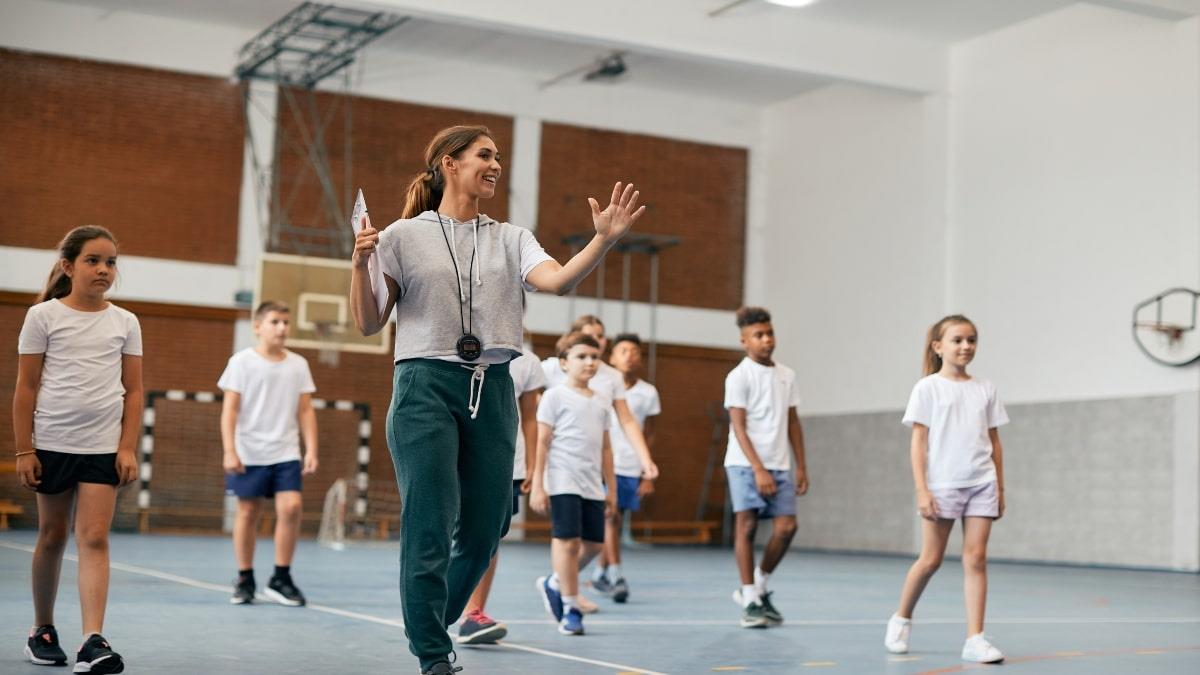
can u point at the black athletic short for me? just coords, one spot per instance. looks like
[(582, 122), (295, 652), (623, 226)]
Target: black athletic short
[(572, 516), (62, 471), (517, 496)]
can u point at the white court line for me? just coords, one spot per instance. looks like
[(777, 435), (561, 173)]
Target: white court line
[(592, 621), (204, 585)]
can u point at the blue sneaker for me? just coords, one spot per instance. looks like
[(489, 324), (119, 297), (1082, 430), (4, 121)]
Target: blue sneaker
[(551, 599), (571, 623)]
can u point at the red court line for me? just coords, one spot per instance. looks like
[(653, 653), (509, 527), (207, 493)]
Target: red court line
[(1052, 657)]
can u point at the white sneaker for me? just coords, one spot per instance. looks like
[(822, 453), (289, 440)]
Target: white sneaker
[(977, 649), (896, 638), (585, 605)]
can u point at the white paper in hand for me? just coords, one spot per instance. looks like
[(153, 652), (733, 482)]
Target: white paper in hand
[(374, 271)]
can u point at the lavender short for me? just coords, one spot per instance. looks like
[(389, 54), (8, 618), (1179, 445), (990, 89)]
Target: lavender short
[(979, 500)]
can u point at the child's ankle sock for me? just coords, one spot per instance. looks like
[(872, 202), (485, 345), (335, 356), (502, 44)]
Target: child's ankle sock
[(600, 573), (760, 581), (614, 572), (282, 572), (246, 575), (749, 595), (553, 582)]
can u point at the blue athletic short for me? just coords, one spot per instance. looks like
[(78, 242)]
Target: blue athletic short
[(264, 480), (627, 493), (744, 494)]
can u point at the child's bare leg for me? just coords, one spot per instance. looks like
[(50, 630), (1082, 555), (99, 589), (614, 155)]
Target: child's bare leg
[(783, 530), (287, 526), (588, 551), (745, 525), (611, 553), (974, 558), (245, 524), (93, 518), (934, 535), (54, 521), (564, 557), (480, 595)]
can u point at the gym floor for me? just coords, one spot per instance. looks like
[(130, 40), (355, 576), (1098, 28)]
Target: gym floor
[(169, 612)]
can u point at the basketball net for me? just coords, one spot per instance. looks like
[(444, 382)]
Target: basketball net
[(328, 353)]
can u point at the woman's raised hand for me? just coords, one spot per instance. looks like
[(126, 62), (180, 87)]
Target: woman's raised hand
[(621, 213), (365, 242)]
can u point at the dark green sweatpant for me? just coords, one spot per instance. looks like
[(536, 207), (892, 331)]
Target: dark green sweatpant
[(455, 480)]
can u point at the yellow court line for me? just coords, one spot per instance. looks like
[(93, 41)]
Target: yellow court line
[(1068, 653), (727, 669), (818, 664), (903, 659), (1148, 652)]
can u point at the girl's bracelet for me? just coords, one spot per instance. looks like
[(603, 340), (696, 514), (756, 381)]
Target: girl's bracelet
[(27, 452)]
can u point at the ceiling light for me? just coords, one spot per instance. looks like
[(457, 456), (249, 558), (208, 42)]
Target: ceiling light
[(792, 3)]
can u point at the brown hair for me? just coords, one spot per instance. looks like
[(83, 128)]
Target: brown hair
[(932, 363), (574, 339), (748, 316), (584, 321), (270, 306), (58, 285), (424, 192)]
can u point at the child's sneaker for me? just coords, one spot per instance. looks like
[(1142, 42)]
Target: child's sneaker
[(43, 649), (620, 591), (896, 637), (96, 656), (978, 650), (571, 623), (585, 604), (769, 611), (602, 585), (283, 591), (754, 617), (243, 592), (441, 668), (479, 628), (551, 598)]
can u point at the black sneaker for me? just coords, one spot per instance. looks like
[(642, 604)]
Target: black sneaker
[(442, 668), (283, 591), (769, 611), (243, 592), (43, 649), (753, 616), (96, 656), (620, 591)]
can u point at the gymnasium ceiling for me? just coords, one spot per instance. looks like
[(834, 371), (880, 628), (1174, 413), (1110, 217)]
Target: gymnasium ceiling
[(753, 52)]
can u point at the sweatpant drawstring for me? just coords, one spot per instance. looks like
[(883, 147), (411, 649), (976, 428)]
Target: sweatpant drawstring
[(475, 396)]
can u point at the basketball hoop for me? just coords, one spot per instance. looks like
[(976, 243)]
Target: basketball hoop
[(1164, 327), (326, 333)]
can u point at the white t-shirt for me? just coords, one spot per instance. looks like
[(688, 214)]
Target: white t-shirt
[(527, 376), (575, 464), (766, 393), (81, 400), (607, 380), (643, 402), (959, 415), (268, 431)]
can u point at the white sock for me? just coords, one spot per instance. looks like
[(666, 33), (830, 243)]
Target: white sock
[(599, 573), (614, 572), (749, 595), (553, 582), (760, 581), (570, 602)]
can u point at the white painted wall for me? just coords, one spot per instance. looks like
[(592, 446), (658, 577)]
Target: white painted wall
[(1075, 174), (850, 258)]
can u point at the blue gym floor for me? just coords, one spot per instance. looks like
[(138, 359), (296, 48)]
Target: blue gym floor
[(168, 612)]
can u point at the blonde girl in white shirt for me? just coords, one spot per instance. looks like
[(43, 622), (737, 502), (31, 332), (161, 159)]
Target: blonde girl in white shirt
[(959, 474), (77, 411)]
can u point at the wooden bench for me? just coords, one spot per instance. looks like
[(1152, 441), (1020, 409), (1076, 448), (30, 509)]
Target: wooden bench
[(8, 508), (674, 531)]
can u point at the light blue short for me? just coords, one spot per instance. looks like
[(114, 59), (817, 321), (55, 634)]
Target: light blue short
[(744, 494)]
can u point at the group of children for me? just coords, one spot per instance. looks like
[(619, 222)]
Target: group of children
[(583, 455)]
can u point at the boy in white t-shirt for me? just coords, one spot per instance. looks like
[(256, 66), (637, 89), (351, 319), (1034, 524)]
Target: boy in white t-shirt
[(267, 406), (643, 401), (528, 382), (764, 433), (573, 466)]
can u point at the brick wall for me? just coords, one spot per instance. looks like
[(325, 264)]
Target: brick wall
[(155, 156), (387, 145), (692, 190)]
